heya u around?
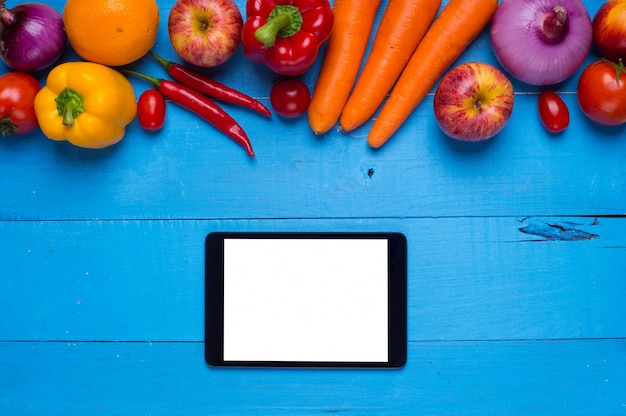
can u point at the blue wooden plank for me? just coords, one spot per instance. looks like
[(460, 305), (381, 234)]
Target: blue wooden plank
[(584, 377), (191, 172), (469, 278)]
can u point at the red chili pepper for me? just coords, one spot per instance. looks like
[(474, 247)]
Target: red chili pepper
[(210, 87), (285, 35), (201, 105)]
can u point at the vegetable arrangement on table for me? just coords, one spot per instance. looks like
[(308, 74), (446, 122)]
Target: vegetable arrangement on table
[(415, 45), (458, 24), (401, 28), (201, 105), (340, 66)]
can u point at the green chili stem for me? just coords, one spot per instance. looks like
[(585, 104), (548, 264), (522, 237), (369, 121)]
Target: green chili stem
[(166, 64), (154, 81)]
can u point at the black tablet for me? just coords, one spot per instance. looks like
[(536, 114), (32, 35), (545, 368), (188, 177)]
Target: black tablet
[(306, 299)]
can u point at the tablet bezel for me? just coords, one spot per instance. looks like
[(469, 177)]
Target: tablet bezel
[(396, 302)]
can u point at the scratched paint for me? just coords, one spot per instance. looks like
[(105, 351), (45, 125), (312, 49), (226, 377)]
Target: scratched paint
[(557, 231)]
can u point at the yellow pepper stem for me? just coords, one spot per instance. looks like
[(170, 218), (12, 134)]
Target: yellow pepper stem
[(69, 105)]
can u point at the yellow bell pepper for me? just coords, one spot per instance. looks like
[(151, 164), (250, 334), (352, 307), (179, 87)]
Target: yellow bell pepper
[(85, 103)]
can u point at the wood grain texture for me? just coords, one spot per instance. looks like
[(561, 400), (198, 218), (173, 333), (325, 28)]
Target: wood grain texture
[(195, 173), (443, 378), (517, 259), (469, 278)]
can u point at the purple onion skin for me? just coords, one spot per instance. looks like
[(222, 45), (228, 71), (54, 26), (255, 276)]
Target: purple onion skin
[(32, 36), (522, 48)]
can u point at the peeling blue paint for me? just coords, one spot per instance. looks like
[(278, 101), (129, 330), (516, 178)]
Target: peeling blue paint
[(566, 231)]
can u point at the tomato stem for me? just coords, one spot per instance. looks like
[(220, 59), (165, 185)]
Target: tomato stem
[(7, 127), (619, 67)]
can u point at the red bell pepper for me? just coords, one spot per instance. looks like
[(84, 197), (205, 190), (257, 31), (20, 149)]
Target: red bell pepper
[(285, 35)]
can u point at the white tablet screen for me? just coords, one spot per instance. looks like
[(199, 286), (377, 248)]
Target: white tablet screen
[(314, 300)]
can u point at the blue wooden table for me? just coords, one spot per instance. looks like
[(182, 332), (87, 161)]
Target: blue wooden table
[(517, 260)]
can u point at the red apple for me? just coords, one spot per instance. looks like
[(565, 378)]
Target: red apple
[(609, 30), (205, 33), (473, 102)]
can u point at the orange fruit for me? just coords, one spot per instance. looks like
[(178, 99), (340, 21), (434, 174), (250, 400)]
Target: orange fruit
[(111, 32)]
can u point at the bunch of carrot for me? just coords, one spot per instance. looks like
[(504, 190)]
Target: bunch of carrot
[(412, 49)]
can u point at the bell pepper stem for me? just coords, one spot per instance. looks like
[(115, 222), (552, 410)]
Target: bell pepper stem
[(283, 21), (70, 105)]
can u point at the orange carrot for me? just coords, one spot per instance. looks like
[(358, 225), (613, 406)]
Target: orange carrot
[(458, 24), (401, 28), (353, 24)]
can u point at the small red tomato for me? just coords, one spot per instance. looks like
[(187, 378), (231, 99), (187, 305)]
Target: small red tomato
[(553, 112), (151, 110), (290, 97), (17, 103), (602, 92)]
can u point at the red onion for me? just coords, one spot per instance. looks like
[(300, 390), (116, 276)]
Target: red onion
[(541, 42), (32, 36)]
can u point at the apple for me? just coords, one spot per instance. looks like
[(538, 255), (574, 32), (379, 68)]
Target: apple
[(473, 102), (205, 33), (609, 30)]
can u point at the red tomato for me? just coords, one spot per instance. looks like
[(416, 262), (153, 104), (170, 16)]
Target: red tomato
[(290, 97), (151, 110), (17, 103), (602, 97), (553, 112)]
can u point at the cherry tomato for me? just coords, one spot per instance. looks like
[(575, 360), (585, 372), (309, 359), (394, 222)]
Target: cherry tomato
[(151, 110), (601, 95), (290, 97), (17, 103), (553, 112)]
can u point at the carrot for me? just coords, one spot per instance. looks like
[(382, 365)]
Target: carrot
[(458, 24), (401, 28), (353, 24)]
